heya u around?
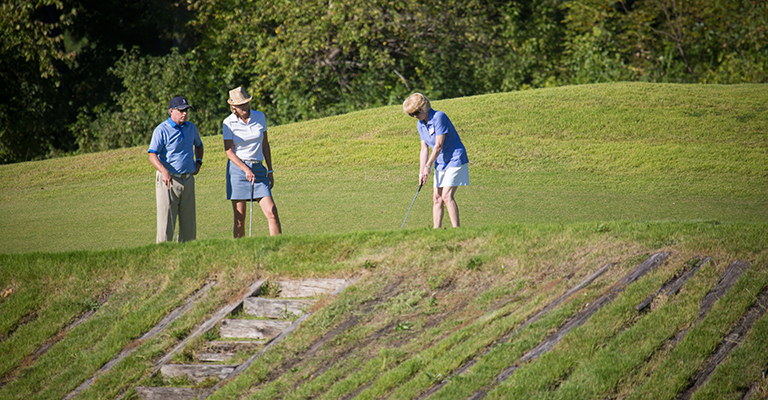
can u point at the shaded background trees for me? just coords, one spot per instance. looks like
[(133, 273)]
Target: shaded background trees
[(86, 75)]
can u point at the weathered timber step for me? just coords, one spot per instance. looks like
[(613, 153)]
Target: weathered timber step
[(197, 372), (262, 332), (175, 314), (221, 351), (210, 323), (242, 367), (166, 393), (275, 308), (214, 357), (251, 329), (309, 287)]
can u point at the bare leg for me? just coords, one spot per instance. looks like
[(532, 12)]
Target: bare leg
[(450, 205), (437, 207), (270, 211), (238, 207)]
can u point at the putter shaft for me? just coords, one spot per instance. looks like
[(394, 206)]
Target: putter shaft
[(250, 224), (409, 208)]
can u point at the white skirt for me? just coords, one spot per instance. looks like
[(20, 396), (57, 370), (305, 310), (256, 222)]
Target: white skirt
[(453, 176)]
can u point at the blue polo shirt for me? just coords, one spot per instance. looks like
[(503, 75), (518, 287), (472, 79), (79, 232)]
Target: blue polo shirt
[(453, 153), (174, 145)]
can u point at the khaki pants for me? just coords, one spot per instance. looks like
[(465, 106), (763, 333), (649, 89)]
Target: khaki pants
[(178, 201)]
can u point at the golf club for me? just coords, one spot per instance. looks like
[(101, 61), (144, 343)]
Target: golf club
[(409, 208), (250, 224)]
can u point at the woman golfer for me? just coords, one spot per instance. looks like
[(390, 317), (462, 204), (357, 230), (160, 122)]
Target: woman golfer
[(448, 156), (247, 147)]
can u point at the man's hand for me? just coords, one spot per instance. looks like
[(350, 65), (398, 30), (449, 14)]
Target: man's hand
[(166, 178)]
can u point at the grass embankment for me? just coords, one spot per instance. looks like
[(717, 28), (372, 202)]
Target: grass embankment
[(564, 181), (425, 303), (564, 155)]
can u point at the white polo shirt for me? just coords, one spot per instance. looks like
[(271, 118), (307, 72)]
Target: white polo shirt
[(247, 138)]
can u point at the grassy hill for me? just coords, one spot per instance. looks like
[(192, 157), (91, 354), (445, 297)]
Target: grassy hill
[(637, 152), (572, 190)]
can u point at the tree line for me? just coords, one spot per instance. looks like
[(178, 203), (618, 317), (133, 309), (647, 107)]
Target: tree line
[(88, 75)]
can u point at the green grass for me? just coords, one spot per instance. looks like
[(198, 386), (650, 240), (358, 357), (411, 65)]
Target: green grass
[(564, 181), (566, 155)]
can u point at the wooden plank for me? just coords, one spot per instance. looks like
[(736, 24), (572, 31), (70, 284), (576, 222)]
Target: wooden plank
[(251, 329), (275, 308), (175, 314), (309, 287), (728, 344), (585, 314), (274, 342), (197, 373), (673, 286), (233, 346), (209, 324), (242, 367), (214, 357), (220, 351), (166, 393), (727, 280), (461, 371), (579, 319)]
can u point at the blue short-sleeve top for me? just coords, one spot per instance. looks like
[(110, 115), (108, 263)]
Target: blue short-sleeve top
[(453, 153), (174, 145)]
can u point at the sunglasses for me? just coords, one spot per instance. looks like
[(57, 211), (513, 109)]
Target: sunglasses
[(415, 113), (186, 110)]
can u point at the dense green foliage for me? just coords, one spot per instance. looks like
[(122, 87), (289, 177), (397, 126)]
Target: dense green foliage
[(102, 72), (54, 61)]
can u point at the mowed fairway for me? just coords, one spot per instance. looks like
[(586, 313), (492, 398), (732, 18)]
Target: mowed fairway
[(615, 246), (594, 153)]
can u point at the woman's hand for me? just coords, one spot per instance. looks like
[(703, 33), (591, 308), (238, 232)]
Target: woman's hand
[(250, 176), (423, 175)]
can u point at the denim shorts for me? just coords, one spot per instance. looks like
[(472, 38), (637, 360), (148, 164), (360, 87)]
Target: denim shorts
[(239, 188)]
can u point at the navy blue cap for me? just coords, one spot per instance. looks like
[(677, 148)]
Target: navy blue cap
[(179, 102)]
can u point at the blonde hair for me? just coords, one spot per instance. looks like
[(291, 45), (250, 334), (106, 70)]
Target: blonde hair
[(416, 103)]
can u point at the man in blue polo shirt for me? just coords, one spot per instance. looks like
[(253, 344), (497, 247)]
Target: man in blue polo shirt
[(171, 153)]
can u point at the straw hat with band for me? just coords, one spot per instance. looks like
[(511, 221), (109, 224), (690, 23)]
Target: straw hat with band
[(238, 96)]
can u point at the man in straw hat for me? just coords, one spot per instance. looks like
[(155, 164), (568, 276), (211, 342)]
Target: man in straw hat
[(176, 152), (247, 147)]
